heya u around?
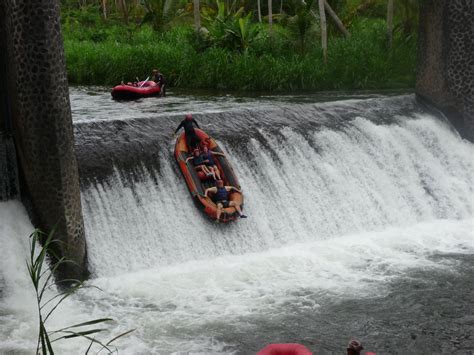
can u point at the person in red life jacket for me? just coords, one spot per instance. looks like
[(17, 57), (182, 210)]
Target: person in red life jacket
[(192, 140), (199, 164), (221, 198), (209, 161), (159, 79)]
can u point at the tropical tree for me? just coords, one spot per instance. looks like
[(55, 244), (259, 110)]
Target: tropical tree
[(408, 11), (336, 19), (390, 23), (270, 17), (160, 12), (324, 33), (124, 10), (232, 31), (197, 15), (301, 21), (103, 4)]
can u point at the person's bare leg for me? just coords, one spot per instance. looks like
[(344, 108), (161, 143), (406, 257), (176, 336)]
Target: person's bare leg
[(217, 173), (219, 211), (212, 172), (237, 207), (203, 168)]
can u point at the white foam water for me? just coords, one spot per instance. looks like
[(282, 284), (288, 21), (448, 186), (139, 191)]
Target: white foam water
[(333, 215), (298, 189)]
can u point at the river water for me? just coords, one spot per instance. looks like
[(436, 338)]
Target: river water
[(360, 225)]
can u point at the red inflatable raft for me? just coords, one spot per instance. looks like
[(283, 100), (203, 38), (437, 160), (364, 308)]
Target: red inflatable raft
[(285, 349), (197, 181), (131, 91)]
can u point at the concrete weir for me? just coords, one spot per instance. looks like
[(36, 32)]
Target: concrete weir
[(36, 113), (36, 133), (445, 73)]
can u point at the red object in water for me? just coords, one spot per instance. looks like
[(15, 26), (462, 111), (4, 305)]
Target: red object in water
[(285, 349), (131, 91), (198, 183)]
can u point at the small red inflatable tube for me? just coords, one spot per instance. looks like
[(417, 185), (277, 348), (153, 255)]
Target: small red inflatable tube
[(285, 349)]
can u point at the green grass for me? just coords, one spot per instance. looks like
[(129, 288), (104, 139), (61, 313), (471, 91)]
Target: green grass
[(107, 55), (41, 270)]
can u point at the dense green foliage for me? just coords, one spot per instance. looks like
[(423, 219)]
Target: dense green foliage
[(236, 52)]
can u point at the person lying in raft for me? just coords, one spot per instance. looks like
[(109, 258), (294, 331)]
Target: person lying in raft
[(209, 161), (199, 165), (192, 140), (135, 83), (221, 198)]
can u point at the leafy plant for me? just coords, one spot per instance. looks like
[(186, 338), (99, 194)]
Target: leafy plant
[(230, 30), (300, 20), (161, 12), (42, 279)]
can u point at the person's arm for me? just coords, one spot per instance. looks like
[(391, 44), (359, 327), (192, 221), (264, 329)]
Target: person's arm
[(210, 189), (217, 153), (180, 126), (188, 159), (196, 123), (232, 188)]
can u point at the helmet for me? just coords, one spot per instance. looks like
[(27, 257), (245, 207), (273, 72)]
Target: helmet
[(355, 345), (189, 117)]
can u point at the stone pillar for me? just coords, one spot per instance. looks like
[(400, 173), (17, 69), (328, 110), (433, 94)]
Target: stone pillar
[(8, 168), (445, 73), (38, 98)]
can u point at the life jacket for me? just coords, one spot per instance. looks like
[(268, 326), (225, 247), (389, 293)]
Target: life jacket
[(209, 159), (222, 194), (198, 160)]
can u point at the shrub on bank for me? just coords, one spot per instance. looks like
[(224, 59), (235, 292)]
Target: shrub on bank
[(360, 62)]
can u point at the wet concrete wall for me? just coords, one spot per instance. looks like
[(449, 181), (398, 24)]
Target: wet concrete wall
[(37, 97), (445, 73)]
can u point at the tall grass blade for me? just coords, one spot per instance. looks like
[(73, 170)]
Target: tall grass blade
[(119, 336)]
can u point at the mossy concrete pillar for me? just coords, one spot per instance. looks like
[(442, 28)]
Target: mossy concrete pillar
[(8, 168), (38, 99), (445, 73)]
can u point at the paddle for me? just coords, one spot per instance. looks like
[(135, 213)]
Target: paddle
[(143, 82)]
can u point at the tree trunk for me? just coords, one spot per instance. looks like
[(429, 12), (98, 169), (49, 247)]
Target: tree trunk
[(259, 11), (104, 9), (124, 9), (270, 17), (336, 19), (390, 23), (324, 34), (197, 15)]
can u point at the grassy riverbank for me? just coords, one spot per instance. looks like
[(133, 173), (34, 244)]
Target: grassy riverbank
[(105, 55)]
